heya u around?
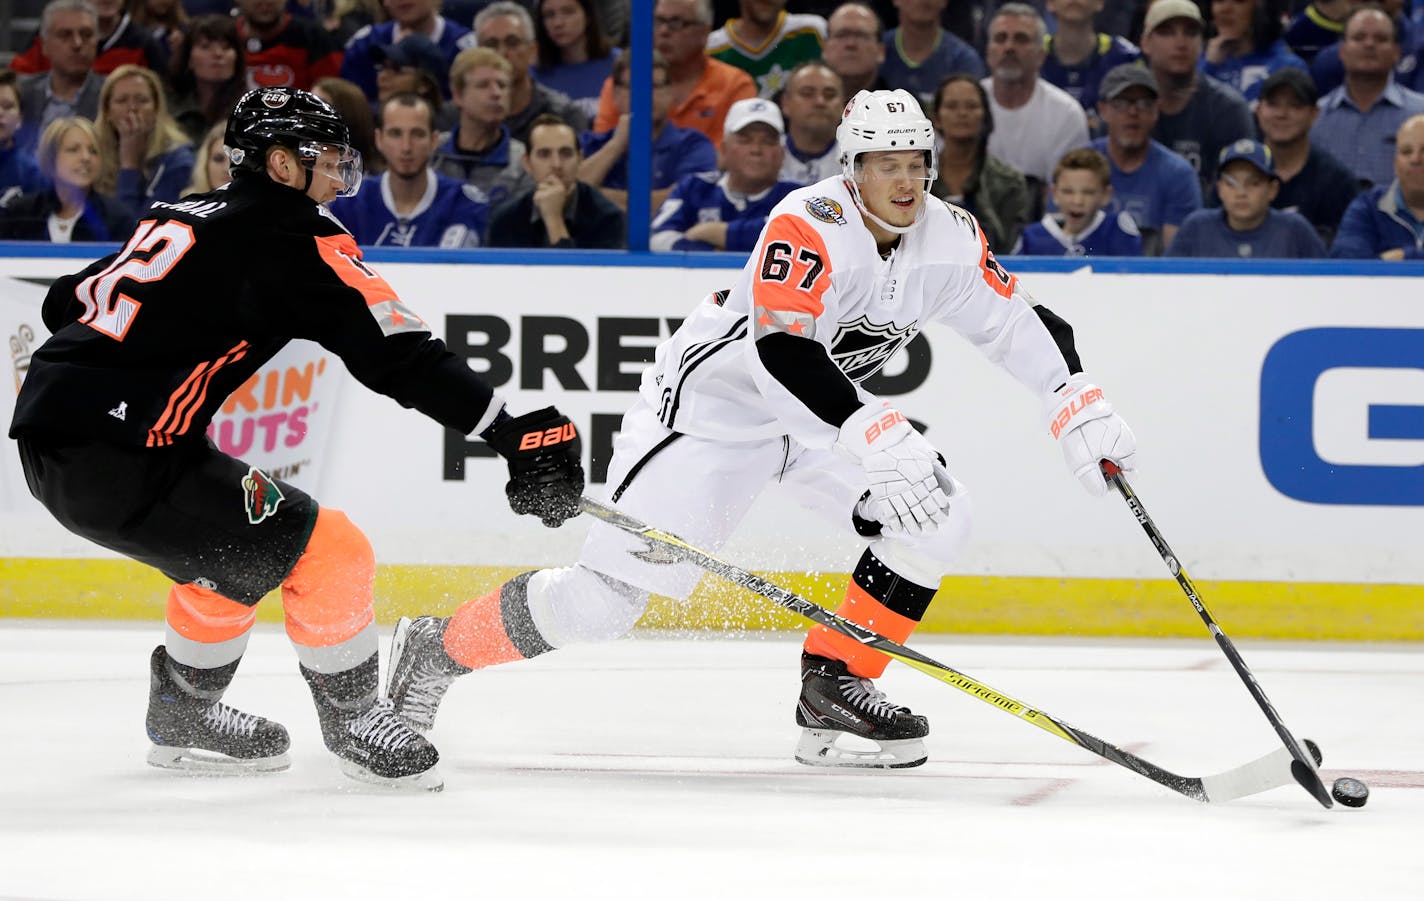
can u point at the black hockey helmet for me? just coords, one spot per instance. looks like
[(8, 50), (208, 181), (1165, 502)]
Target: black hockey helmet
[(297, 120)]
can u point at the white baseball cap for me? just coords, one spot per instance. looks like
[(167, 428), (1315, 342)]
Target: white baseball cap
[(753, 109)]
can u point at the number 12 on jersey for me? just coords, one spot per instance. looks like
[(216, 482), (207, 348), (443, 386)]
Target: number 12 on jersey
[(110, 312)]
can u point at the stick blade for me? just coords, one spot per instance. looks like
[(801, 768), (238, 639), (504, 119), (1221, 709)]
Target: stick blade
[(1309, 780)]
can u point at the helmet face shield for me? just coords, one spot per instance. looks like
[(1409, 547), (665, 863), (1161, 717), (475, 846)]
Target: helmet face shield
[(338, 162)]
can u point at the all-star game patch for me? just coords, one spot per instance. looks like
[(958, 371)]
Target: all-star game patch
[(826, 209), (261, 495)]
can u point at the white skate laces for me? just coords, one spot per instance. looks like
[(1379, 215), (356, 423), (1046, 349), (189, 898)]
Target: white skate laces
[(379, 727), (863, 694), (227, 720)]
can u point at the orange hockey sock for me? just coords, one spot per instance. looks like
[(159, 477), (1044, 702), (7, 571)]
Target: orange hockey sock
[(878, 599), (327, 597)]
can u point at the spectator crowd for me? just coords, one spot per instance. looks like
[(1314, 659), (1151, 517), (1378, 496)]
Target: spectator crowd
[(1206, 128)]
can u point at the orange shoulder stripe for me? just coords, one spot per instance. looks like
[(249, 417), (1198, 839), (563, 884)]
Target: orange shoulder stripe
[(794, 269)]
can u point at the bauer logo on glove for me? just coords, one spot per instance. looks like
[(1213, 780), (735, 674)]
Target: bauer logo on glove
[(545, 464)]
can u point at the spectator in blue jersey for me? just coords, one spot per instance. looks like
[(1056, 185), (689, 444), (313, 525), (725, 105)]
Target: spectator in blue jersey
[(1317, 26), (407, 17), (480, 150), (146, 156), (1197, 116), (707, 212), (677, 152), (811, 105), (575, 57), (409, 205), (1246, 225), (1329, 71), (1387, 221), (919, 53), (19, 170), (969, 175), (507, 27), (1081, 190), (1247, 45), (1359, 119), (1313, 183), (68, 209), (1078, 55), (559, 211), (1155, 186)]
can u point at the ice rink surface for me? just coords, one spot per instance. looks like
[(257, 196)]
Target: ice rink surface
[(660, 767)]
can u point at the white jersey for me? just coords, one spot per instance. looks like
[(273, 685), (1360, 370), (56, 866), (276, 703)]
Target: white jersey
[(816, 272)]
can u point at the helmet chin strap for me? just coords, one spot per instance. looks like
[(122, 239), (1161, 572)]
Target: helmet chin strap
[(894, 229)]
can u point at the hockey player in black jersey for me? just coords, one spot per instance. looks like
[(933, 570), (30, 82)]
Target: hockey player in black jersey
[(147, 344)]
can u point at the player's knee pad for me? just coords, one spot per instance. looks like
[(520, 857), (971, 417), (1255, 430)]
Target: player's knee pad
[(327, 597), (575, 604), (925, 559), (205, 629)]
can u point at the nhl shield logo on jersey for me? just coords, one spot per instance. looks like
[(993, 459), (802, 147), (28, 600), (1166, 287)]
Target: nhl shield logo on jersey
[(861, 348), (826, 209), (261, 495)]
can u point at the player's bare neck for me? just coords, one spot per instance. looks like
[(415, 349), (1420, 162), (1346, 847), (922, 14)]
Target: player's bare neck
[(887, 247)]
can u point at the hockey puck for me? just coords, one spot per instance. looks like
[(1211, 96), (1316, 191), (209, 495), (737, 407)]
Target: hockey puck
[(1314, 750), (1350, 792)]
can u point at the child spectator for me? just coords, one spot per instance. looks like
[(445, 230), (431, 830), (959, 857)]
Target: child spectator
[(559, 210), (480, 150), (19, 171), (1081, 190), (575, 56), (677, 152), (70, 209), (920, 53), (971, 177), (211, 170), (1079, 55), (766, 42), (208, 74), (1247, 47), (409, 205), (812, 104), (1246, 225), (1155, 186), (1387, 221), (705, 212), (145, 155)]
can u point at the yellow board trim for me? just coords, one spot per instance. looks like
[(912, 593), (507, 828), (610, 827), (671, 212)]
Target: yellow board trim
[(1154, 608)]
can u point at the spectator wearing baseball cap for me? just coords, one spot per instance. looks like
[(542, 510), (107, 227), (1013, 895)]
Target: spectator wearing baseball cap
[(1153, 185), (1247, 46), (1313, 183), (1246, 226), (726, 211), (1199, 116), (412, 65)]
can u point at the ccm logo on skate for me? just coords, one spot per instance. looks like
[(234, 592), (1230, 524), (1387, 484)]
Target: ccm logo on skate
[(1073, 408), (883, 425), (548, 437), (1342, 416)]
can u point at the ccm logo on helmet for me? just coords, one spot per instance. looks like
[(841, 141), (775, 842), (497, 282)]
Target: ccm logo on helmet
[(1073, 408), (548, 437), (883, 425), (275, 99)]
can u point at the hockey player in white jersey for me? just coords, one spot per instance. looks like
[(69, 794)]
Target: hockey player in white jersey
[(763, 383)]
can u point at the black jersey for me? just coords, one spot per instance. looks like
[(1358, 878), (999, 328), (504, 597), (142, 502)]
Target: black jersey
[(148, 342)]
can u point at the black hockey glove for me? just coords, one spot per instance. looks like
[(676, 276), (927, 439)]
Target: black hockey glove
[(545, 464)]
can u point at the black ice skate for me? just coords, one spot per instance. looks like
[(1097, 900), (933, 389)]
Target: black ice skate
[(191, 730), (420, 670), (835, 703), (372, 743)]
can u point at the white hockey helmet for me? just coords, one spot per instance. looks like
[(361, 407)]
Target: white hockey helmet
[(879, 121)]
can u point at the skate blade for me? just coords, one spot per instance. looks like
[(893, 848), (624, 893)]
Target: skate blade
[(398, 641), (210, 763), (818, 747), (430, 780)]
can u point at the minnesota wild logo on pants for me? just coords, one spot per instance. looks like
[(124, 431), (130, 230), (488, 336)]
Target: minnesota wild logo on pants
[(261, 495)]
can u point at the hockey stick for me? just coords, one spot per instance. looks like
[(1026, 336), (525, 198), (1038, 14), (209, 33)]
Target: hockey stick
[(1302, 765), (1270, 771)]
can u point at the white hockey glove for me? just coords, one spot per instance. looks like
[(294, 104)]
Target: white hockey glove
[(1088, 430), (909, 487)]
